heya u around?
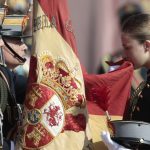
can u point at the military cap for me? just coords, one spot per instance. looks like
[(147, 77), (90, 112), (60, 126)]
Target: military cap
[(130, 134), (15, 26)]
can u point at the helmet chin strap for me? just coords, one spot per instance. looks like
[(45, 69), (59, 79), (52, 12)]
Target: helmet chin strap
[(15, 54), (2, 60)]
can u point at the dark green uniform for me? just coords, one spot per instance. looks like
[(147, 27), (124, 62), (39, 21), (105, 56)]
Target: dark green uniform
[(12, 91)]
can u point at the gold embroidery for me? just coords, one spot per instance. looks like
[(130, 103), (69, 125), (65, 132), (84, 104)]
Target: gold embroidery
[(135, 97), (34, 94), (56, 74), (36, 135)]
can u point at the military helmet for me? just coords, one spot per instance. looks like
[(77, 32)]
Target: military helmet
[(15, 26), (12, 26)]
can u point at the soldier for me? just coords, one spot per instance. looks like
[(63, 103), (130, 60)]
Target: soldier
[(136, 43), (12, 87)]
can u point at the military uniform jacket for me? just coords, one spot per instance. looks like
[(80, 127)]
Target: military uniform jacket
[(12, 91), (141, 110)]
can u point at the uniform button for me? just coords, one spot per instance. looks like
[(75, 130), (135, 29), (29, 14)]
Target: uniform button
[(141, 96), (148, 86), (137, 108)]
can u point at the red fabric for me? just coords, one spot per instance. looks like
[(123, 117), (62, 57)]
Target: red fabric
[(109, 91), (102, 91), (75, 123), (30, 141), (111, 63)]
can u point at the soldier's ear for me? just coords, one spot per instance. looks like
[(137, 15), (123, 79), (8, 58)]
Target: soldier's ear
[(1, 42), (147, 45)]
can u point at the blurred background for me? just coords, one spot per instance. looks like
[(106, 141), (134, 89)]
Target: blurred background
[(97, 28)]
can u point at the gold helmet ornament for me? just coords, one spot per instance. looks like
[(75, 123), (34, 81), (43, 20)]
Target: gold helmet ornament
[(14, 26)]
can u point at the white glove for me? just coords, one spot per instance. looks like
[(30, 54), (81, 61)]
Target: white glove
[(110, 143)]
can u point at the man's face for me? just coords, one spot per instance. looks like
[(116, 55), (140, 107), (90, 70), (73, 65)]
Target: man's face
[(19, 47)]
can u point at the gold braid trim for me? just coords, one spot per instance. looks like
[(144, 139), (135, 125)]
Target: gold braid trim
[(135, 96)]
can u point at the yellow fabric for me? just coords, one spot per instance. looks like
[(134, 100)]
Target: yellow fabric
[(49, 46), (98, 124)]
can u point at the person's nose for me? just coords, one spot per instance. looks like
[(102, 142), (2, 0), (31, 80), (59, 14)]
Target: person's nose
[(24, 47)]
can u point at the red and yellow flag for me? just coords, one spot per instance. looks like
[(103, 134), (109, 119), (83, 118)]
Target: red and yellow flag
[(107, 92), (55, 114)]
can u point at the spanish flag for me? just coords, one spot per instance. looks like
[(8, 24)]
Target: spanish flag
[(59, 92), (55, 113)]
